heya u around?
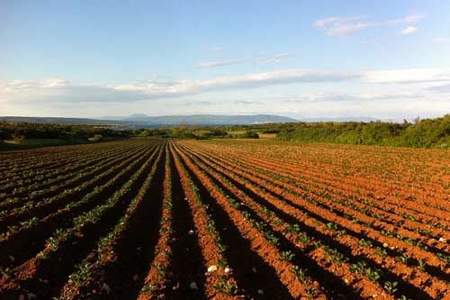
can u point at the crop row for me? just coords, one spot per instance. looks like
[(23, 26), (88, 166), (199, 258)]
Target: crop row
[(57, 197), (392, 216), (259, 189), (33, 233), (34, 162), (44, 189), (38, 179), (74, 243), (154, 219)]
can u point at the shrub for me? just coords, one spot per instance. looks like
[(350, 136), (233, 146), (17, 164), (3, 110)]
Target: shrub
[(421, 133), (250, 135)]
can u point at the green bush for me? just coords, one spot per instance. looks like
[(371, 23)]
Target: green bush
[(421, 133), (250, 135)]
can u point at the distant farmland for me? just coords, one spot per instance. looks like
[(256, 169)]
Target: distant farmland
[(224, 219)]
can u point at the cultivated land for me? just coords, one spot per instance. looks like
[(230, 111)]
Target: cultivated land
[(224, 219)]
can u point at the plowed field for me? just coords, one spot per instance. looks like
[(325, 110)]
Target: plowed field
[(225, 219)]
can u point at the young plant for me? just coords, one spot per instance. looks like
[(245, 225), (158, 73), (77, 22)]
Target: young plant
[(287, 255), (391, 286)]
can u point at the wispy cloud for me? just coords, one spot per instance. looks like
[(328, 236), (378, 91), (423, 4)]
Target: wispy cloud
[(273, 59), (409, 30), (247, 102), (444, 88), (409, 19), (348, 97), (60, 90), (266, 59), (343, 26), (340, 26), (217, 102), (57, 89), (407, 76), (220, 63), (240, 81)]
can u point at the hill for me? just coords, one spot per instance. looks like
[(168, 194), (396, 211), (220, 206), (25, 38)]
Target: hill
[(144, 120), (59, 120), (206, 119)]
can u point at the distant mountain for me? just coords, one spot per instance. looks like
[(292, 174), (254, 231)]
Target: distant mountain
[(203, 119), (142, 120), (339, 119), (61, 120)]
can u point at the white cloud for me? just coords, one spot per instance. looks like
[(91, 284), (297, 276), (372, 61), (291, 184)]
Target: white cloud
[(409, 30), (327, 93), (410, 19), (273, 59), (61, 90), (274, 77), (220, 63), (406, 76), (444, 88), (343, 26), (267, 59), (349, 96), (340, 26)]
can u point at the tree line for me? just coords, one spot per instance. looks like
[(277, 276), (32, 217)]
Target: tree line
[(21, 131), (420, 133)]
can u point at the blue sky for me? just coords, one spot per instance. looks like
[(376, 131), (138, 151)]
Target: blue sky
[(383, 59)]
